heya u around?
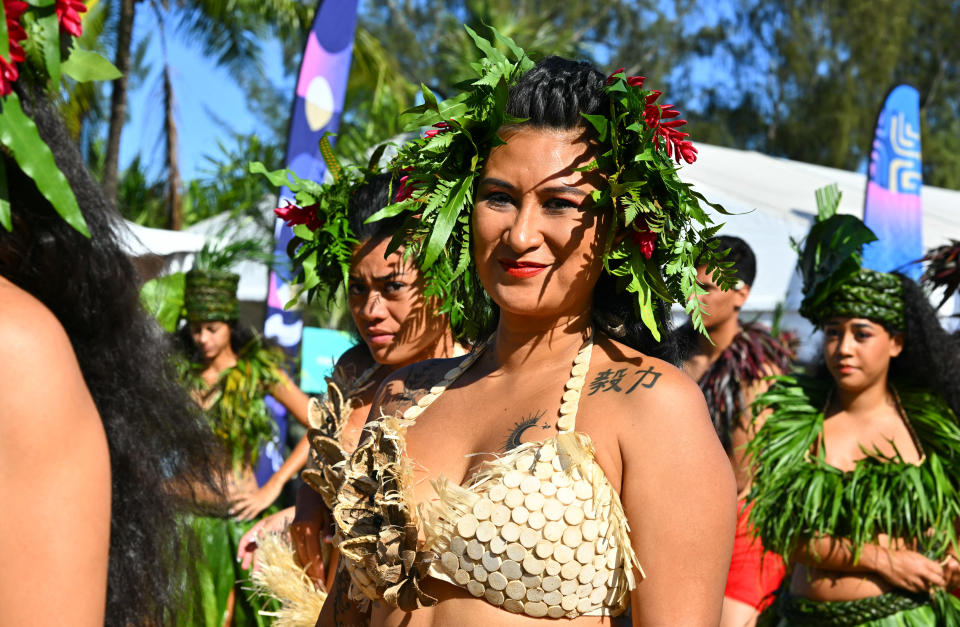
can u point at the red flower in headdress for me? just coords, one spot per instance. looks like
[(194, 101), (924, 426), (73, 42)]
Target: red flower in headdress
[(405, 190), (293, 215), (9, 72), (68, 15), (660, 120), (645, 239), (438, 128)]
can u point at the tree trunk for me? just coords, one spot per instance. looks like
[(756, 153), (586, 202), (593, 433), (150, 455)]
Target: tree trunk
[(118, 100), (174, 200)]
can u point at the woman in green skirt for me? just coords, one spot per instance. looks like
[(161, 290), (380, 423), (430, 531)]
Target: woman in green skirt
[(857, 466)]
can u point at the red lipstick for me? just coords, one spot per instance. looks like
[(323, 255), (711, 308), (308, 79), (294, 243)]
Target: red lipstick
[(521, 269)]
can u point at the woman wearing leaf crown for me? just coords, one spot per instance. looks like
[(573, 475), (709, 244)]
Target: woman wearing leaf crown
[(397, 326), (858, 465), (497, 488), (229, 371)]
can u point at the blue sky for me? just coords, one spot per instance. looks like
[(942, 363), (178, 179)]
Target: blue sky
[(199, 85)]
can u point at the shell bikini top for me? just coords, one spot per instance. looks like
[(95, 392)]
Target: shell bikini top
[(538, 531)]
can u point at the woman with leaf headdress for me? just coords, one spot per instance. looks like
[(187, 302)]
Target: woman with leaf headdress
[(230, 371), (533, 477), (858, 466), (337, 248)]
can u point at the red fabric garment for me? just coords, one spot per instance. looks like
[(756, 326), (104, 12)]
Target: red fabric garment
[(754, 574)]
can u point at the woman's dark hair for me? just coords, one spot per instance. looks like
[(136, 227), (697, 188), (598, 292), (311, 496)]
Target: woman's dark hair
[(554, 94), (240, 336), (930, 356), (153, 429), (369, 198)]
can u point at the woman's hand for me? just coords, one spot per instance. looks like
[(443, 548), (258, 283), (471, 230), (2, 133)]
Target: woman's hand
[(248, 506), (911, 570), (274, 523)]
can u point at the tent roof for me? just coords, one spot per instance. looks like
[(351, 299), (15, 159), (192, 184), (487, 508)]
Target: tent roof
[(774, 202)]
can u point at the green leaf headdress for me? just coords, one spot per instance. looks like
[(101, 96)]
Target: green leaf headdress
[(320, 218), (834, 282), (669, 231), (37, 45)]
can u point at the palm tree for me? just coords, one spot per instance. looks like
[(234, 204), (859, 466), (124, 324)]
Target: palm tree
[(228, 31)]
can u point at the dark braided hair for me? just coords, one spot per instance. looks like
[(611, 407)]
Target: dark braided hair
[(154, 431), (553, 94)]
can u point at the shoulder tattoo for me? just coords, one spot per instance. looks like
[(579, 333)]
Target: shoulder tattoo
[(623, 380)]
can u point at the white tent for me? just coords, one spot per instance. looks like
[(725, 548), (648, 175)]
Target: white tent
[(774, 200), (177, 248)]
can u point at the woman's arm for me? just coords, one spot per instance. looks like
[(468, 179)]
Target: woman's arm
[(679, 495), (54, 475), (900, 567), (290, 396), (248, 506)]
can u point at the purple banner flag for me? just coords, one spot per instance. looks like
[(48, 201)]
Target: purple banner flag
[(892, 208), (317, 106)]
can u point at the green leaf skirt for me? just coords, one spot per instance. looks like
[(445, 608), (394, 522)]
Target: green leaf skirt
[(215, 572)]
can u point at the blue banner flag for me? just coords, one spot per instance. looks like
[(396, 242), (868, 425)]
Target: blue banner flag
[(892, 207), (317, 106)]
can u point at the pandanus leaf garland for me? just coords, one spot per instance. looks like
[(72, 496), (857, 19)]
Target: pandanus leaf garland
[(667, 227), (797, 496)]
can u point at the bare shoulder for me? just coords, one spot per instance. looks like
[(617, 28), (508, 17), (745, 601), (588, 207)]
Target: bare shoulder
[(625, 379), (407, 385), (32, 340), (39, 374)]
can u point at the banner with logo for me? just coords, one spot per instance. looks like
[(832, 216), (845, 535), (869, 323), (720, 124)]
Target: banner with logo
[(892, 208), (317, 107)]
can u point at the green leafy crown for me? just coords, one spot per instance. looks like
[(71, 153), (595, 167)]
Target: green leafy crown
[(670, 233), (37, 45), (320, 218), (834, 281)]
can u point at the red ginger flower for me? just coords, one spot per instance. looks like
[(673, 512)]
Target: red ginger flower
[(659, 119), (438, 128), (293, 215), (68, 15), (9, 73), (404, 191), (645, 239), (633, 81)]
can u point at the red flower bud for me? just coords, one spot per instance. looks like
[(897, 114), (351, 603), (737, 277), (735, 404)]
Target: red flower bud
[(636, 81), (611, 78), (404, 191), (293, 215), (645, 240)]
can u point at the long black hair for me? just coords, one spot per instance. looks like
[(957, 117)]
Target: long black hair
[(930, 356), (553, 94), (157, 441)]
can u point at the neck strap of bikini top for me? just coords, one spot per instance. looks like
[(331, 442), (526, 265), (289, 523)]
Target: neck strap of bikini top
[(571, 394)]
